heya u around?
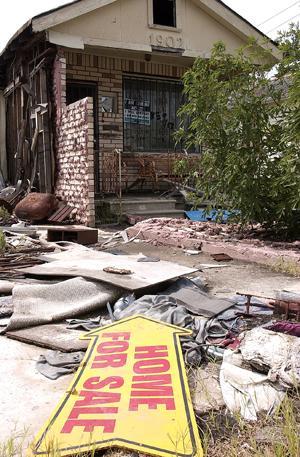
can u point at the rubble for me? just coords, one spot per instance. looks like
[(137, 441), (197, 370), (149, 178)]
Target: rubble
[(214, 238)]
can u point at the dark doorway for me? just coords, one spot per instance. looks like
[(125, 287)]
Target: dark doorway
[(77, 90), (164, 12)]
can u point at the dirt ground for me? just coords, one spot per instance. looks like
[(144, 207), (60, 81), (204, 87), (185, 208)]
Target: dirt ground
[(237, 276)]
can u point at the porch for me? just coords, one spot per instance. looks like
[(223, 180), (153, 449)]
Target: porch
[(134, 102)]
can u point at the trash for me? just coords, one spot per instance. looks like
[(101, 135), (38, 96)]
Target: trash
[(288, 302), (148, 259), (275, 354), (53, 336), (80, 235), (136, 365), (44, 303), (168, 309), (211, 237), (61, 214), (36, 207), (202, 215), (195, 299), (289, 328), (89, 263), (122, 304), (205, 389), (117, 271), (54, 364), (221, 257), (207, 266), (248, 297), (84, 324), (191, 252), (247, 392), (6, 306)]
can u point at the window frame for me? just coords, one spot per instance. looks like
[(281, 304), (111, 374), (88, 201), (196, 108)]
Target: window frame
[(147, 78), (177, 28)]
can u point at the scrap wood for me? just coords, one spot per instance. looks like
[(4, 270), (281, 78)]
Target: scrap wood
[(61, 213), (117, 271), (52, 336), (89, 263), (222, 257)]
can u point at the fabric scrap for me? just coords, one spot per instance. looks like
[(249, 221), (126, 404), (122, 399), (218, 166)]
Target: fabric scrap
[(289, 328), (245, 391), (275, 354), (54, 364)]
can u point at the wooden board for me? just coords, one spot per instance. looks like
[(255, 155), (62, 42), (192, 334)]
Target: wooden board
[(90, 264), (54, 336)]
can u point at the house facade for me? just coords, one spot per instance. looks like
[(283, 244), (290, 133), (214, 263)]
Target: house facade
[(91, 92)]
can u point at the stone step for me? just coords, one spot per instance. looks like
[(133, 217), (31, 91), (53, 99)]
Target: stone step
[(172, 213), (136, 205)]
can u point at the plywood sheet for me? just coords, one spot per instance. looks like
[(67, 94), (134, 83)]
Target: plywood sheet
[(90, 264), (54, 336)]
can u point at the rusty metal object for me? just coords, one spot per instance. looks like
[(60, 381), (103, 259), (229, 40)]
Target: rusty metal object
[(36, 207), (221, 257), (290, 307), (117, 271)]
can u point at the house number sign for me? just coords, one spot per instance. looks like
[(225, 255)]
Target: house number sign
[(168, 41)]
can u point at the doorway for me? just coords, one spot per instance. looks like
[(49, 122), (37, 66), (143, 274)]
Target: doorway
[(77, 90)]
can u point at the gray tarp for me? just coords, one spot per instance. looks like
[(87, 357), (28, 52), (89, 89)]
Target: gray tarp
[(43, 303), (167, 309)]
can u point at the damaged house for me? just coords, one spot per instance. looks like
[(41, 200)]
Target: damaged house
[(89, 94)]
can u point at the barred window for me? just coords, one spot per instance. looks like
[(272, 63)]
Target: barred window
[(150, 114)]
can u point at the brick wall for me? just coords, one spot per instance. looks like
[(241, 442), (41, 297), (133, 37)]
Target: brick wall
[(108, 73), (75, 159)]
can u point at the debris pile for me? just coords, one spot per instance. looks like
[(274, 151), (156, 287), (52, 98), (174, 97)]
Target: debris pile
[(214, 238), (61, 289)]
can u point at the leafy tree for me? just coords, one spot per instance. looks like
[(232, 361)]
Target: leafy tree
[(248, 124)]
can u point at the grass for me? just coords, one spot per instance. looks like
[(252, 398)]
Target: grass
[(222, 434), (276, 436), (289, 267), (4, 214), (2, 241)]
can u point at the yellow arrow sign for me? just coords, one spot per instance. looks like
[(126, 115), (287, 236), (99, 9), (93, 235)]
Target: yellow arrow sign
[(130, 391)]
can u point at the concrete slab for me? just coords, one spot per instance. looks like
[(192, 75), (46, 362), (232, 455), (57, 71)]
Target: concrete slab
[(26, 397)]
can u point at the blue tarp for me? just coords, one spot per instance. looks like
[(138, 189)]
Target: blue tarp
[(201, 215)]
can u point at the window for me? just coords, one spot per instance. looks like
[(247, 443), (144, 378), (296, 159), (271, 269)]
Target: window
[(150, 114), (164, 12)]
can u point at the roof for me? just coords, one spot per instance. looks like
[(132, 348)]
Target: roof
[(38, 22)]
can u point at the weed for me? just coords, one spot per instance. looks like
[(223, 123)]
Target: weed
[(2, 242), (289, 267), (4, 214)]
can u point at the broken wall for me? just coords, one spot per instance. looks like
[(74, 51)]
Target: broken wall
[(107, 72), (75, 159)]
